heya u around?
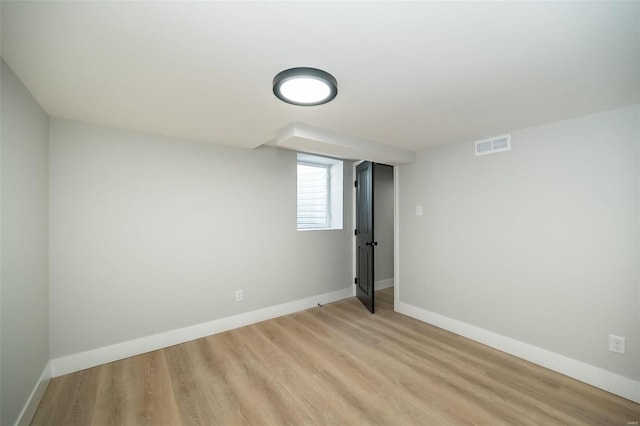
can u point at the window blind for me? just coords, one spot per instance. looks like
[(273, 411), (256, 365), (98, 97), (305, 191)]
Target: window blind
[(313, 196)]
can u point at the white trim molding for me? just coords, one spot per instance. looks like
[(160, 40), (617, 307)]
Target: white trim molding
[(379, 285), (30, 407), (595, 376), (80, 361), (396, 237)]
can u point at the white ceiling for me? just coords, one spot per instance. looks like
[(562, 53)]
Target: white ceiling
[(410, 74)]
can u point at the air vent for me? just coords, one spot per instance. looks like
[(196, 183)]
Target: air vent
[(493, 145)]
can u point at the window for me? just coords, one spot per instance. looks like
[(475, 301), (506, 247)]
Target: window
[(319, 193), (313, 196)]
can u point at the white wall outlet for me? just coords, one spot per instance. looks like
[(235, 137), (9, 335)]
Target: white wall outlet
[(239, 296), (418, 210), (617, 344)]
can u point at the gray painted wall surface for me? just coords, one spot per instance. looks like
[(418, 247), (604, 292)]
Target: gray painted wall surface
[(25, 246), (149, 234), (383, 222), (539, 244)]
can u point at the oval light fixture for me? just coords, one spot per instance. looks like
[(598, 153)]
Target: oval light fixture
[(305, 86)]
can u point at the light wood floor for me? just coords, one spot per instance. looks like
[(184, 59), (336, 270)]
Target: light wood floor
[(336, 364)]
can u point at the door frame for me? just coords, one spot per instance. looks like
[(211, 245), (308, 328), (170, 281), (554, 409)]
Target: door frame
[(396, 232)]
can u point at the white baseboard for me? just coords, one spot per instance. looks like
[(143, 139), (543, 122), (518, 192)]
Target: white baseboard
[(595, 376), (379, 285), (30, 407), (80, 361)]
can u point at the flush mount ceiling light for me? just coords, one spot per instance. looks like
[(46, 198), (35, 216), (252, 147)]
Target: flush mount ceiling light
[(305, 86)]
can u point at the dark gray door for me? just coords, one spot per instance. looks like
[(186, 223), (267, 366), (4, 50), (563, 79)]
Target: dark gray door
[(365, 242)]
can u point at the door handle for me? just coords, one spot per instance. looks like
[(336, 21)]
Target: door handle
[(371, 243)]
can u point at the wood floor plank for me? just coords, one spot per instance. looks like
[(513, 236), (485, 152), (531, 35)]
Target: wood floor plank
[(335, 364), (438, 365), (412, 394), (72, 400), (152, 391), (449, 378)]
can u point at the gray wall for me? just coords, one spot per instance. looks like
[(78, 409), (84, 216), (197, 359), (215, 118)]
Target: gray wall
[(25, 246), (539, 244), (149, 234), (383, 222)]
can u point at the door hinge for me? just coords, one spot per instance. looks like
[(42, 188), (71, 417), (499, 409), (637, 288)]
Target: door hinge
[(355, 183), (355, 232), (355, 280)]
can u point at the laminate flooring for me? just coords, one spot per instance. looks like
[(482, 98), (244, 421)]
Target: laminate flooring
[(336, 365)]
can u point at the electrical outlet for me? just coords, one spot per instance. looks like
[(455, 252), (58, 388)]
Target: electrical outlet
[(617, 344), (239, 296)]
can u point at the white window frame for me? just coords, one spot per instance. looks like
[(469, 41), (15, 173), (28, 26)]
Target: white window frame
[(334, 216)]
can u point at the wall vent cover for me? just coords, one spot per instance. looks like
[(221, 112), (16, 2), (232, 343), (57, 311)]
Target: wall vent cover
[(493, 145)]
